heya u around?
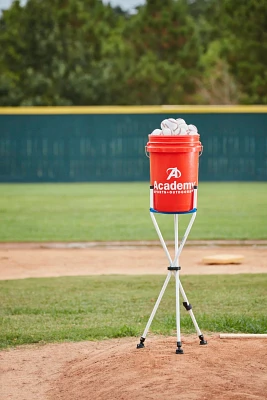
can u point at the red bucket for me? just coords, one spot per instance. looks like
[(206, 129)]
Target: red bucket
[(173, 171)]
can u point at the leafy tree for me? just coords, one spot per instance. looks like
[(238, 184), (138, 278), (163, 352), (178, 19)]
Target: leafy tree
[(52, 50), (234, 50), (246, 50), (217, 85), (164, 54), (82, 52)]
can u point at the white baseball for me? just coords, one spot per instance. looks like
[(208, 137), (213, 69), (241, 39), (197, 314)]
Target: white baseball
[(180, 121), (166, 131), (183, 129), (164, 124), (157, 132), (192, 129), (176, 131), (172, 124)]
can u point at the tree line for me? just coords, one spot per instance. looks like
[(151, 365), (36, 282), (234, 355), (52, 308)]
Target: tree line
[(84, 52)]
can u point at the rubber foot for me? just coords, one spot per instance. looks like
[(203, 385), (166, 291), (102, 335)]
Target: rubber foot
[(179, 351), (140, 346), (202, 340)]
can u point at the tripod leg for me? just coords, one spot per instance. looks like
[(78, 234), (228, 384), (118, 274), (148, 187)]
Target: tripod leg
[(143, 337), (179, 349), (188, 307), (177, 284), (163, 244), (179, 250)]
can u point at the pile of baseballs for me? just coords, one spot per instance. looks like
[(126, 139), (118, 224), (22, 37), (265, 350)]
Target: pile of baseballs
[(171, 126)]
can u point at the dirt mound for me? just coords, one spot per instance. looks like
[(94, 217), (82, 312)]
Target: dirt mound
[(115, 370), (222, 370)]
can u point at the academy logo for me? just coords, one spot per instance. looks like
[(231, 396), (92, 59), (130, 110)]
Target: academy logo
[(186, 187), (175, 173), (173, 187)]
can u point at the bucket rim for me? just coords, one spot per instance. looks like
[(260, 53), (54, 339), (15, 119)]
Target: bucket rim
[(174, 137)]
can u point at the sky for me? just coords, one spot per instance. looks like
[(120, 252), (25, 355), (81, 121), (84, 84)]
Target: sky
[(124, 4)]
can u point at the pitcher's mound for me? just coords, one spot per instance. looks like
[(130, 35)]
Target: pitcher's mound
[(223, 259), (117, 370), (218, 371)]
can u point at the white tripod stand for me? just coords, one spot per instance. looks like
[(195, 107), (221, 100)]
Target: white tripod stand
[(174, 269)]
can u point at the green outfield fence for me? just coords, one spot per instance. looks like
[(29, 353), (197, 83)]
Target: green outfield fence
[(76, 144)]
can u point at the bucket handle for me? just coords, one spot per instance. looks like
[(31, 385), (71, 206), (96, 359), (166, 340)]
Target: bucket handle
[(146, 152)]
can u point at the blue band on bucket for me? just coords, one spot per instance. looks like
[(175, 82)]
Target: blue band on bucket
[(173, 212)]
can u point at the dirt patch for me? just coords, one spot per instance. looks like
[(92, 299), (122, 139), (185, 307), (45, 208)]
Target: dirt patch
[(17, 263), (116, 370)]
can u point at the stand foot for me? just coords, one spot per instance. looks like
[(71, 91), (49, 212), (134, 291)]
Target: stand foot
[(141, 344), (179, 349), (202, 340)]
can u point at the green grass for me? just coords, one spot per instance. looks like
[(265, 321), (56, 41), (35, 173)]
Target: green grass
[(120, 211), (92, 308)]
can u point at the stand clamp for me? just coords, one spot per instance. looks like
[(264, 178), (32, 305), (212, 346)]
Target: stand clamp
[(174, 268)]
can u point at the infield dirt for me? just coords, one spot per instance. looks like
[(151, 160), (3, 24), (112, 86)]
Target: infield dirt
[(25, 260)]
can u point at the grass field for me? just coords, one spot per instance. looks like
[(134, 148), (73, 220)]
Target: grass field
[(91, 308), (119, 211)]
